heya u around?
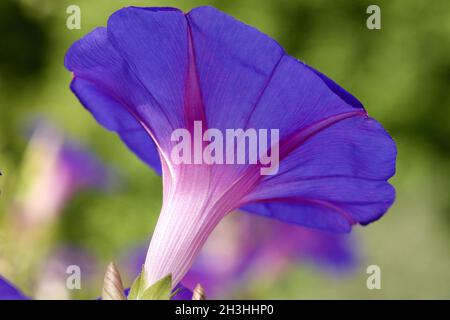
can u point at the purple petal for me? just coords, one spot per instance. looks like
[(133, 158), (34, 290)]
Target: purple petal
[(110, 91), (157, 56), (336, 179), (235, 63), (182, 293), (9, 292), (341, 92)]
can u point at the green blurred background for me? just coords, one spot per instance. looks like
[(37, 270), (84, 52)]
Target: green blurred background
[(401, 73)]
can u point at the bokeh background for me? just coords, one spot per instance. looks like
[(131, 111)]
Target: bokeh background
[(401, 73)]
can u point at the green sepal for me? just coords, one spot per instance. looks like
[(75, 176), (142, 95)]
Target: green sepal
[(136, 288), (160, 290)]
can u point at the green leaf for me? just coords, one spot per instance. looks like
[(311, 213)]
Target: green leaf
[(160, 290)]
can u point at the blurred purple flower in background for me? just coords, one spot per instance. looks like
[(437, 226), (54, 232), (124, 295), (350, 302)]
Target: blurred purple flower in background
[(245, 247), (53, 170), (155, 70), (53, 273)]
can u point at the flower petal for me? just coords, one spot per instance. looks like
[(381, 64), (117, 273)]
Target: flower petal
[(9, 292), (105, 86), (341, 171), (234, 61), (156, 55)]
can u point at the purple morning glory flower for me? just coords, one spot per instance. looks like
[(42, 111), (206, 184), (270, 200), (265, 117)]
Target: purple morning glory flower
[(9, 292), (152, 71), (54, 169)]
